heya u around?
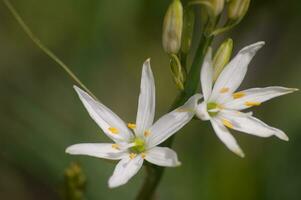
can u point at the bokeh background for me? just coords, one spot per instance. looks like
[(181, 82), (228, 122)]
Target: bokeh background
[(105, 42)]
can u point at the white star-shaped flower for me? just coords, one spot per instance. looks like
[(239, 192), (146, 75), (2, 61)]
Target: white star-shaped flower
[(222, 105), (134, 143)]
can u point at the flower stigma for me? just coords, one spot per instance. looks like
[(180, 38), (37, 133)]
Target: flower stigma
[(212, 108), (139, 146)]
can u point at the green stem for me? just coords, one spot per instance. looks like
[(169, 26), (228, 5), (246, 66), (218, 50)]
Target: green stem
[(36, 40), (155, 173)]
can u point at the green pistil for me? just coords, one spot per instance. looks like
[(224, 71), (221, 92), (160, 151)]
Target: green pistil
[(139, 146), (212, 106)]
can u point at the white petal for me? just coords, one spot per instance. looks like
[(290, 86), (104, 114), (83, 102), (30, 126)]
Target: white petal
[(170, 123), (233, 74), (104, 117), (99, 150), (257, 95), (207, 75), (225, 136), (248, 124), (201, 111), (146, 105), (125, 170), (162, 156)]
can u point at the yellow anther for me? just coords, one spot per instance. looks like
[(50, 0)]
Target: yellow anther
[(224, 90), (227, 123), (114, 130), (143, 155), (131, 125), (238, 95), (132, 155), (115, 146), (252, 103), (147, 133)]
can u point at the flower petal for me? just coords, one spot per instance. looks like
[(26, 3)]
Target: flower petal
[(162, 156), (107, 120), (99, 150), (257, 95), (225, 136), (234, 73), (146, 105), (248, 124), (207, 75), (125, 170), (170, 123), (201, 111)]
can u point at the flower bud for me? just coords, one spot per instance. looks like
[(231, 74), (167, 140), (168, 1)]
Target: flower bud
[(177, 71), (187, 30), (172, 28), (237, 9), (74, 182), (222, 57), (217, 6)]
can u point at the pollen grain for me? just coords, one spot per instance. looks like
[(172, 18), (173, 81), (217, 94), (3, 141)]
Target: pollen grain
[(252, 103), (227, 123), (238, 95), (114, 130)]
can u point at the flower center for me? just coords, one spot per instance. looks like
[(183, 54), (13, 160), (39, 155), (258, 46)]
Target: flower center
[(212, 108), (139, 146)]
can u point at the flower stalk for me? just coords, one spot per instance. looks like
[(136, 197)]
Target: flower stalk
[(47, 51)]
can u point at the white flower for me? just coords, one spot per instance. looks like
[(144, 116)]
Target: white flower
[(134, 143), (222, 105)]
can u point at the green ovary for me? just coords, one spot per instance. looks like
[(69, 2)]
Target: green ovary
[(139, 146), (212, 106)]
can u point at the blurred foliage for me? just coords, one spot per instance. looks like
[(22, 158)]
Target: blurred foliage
[(74, 184), (106, 43)]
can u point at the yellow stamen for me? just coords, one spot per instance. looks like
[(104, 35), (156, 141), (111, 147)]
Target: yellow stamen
[(131, 125), (114, 130), (115, 146), (252, 103), (238, 95), (227, 123), (147, 133), (143, 155), (132, 155), (224, 90)]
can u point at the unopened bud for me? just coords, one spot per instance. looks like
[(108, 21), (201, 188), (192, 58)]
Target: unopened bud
[(172, 28), (187, 30), (74, 183), (217, 6), (237, 9), (177, 72), (222, 57)]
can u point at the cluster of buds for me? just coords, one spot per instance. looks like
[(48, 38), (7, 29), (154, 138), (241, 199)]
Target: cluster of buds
[(172, 39), (74, 183), (178, 27)]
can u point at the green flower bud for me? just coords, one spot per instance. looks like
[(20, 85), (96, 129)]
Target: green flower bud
[(172, 28), (177, 71), (187, 30), (222, 57), (237, 9), (74, 183), (217, 6)]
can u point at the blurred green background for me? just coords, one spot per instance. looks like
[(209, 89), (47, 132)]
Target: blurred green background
[(106, 43)]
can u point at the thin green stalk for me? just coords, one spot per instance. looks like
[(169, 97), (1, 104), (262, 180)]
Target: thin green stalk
[(155, 173), (30, 34)]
